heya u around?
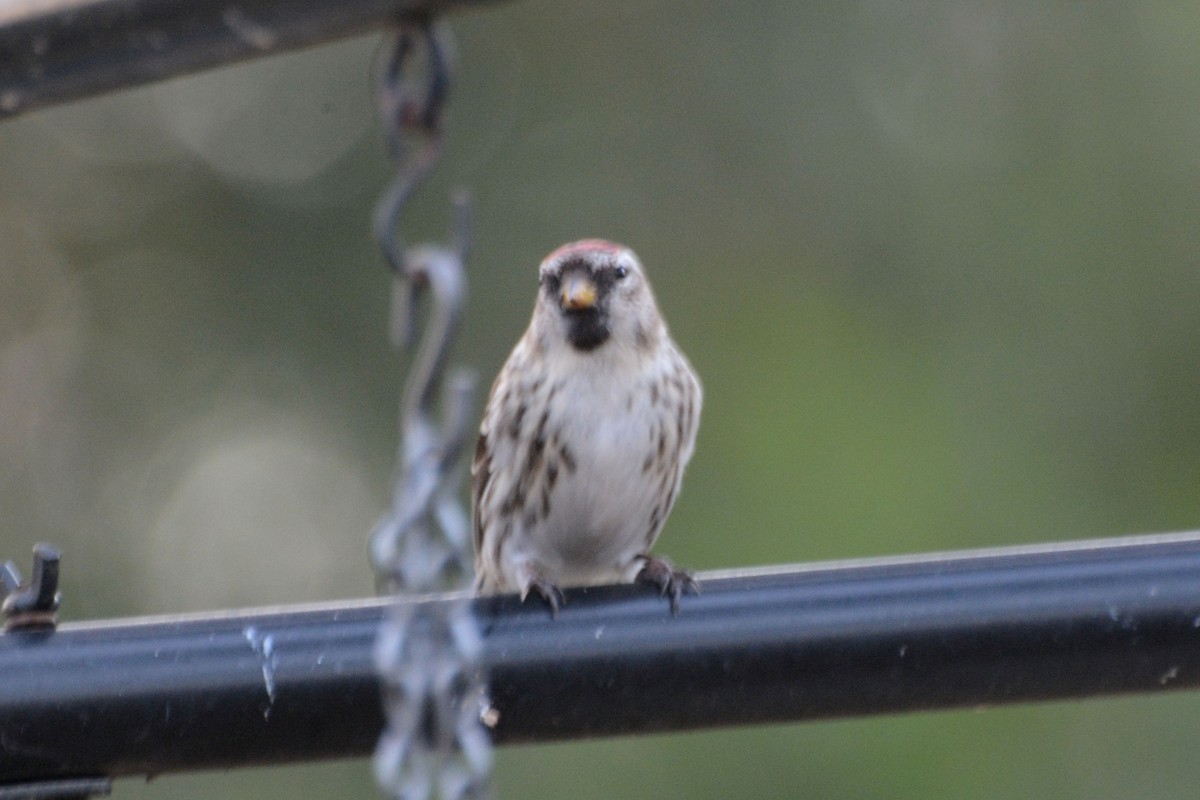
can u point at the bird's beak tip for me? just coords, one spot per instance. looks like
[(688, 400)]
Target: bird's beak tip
[(578, 294)]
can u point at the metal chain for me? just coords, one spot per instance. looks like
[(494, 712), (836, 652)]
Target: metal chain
[(427, 654)]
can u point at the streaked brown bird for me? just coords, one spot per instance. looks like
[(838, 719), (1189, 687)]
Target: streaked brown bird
[(586, 434)]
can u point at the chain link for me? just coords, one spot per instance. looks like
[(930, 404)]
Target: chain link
[(427, 654)]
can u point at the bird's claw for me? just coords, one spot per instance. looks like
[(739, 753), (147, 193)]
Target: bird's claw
[(668, 580), (548, 592)]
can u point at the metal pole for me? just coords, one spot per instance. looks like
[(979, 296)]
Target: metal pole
[(870, 637), (52, 51)]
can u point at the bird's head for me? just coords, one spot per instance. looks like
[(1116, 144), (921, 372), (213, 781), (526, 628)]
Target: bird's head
[(594, 293)]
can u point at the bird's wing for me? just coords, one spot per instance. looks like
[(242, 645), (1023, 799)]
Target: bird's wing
[(481, 474)]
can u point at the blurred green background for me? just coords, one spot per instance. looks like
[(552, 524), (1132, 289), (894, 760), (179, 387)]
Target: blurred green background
[(938, 265)]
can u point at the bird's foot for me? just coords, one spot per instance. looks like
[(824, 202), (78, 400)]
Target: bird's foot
[(669, 581), (548, 592)]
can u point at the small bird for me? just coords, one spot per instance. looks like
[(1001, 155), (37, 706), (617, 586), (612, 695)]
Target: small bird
[(585, 437)]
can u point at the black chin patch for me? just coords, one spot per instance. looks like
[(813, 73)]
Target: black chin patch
[(587, 328)]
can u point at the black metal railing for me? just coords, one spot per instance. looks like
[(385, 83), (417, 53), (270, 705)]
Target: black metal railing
[(53, 51), (152, 696)]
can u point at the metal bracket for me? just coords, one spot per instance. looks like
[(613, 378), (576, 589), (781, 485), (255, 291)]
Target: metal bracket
[(32, 605)]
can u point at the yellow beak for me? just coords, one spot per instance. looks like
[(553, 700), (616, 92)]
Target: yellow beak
[(578, 292)]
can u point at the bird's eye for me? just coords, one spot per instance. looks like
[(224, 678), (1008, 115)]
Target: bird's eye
[(622, 273)]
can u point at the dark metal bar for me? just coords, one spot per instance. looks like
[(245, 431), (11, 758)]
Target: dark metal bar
[(58, 789), (52, 51), (869, 637)]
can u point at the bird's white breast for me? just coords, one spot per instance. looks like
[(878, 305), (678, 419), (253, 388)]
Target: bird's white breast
[(600, 518)]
